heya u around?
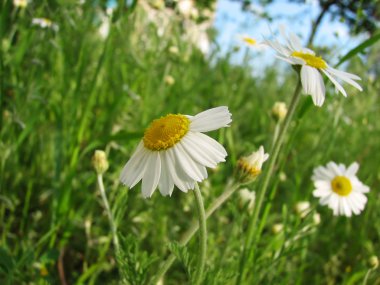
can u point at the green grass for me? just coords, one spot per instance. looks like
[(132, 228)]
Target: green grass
[(65, 94)]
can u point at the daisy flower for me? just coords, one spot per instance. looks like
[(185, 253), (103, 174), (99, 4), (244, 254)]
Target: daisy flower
[(249, 167), (174, 151), (45, 23), (312, 66), (252, 42), (340, 189)]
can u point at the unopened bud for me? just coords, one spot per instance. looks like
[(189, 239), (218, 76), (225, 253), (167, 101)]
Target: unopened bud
[(279, 111), (249, 167), (373, 262), (277, 228), (99, 161), (247, 197), (302, 208), (317, 218), (169, 80)]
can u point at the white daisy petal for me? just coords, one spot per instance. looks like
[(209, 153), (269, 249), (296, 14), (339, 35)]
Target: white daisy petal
[(187, 163), (345, 76), (352, 169), (312, 83), (211, 120), (165, 184), (152, 174), (336, 83)]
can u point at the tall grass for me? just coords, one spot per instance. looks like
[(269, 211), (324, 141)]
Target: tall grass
[(66, 93)]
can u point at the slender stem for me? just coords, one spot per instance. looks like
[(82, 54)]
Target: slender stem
[(367, 276), (202, 235), (272, 161), (194, 228), (109, 213)]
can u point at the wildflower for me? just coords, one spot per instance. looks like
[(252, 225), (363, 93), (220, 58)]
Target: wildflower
[(20, 3), (316, 218), (311, 68), (373, 262), (302, 208), (99, 161), (279, 111), (44, 23), (169, 80), (249, 167), (247, 197), (185, 7), (173, 50), (249, 41), (340, 189), (277, 228), (174, 151)]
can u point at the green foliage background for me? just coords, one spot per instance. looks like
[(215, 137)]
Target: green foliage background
[(66, 93)]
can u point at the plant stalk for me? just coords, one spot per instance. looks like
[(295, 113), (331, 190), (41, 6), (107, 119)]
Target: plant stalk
[(248, 246)]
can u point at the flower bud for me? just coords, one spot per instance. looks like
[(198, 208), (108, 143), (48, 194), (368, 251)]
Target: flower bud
[(247, 197), (317, 218), (169, 80), (249, 167), (373, 262), (174, 50), (302, 208), (279, 111), (277, 228), (99, 161)]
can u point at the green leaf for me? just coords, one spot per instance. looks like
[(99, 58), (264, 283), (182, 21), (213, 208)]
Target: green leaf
[(6, 261), (367, 43)]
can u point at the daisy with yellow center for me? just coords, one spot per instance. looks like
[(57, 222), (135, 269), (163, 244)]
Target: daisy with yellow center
[(311, 68), (45, 23), (174, 151), (340, 189)]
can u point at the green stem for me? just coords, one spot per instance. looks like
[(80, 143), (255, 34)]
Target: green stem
[(367, 276), (247, 252), (202, 235), (109, 213), (194, 228)]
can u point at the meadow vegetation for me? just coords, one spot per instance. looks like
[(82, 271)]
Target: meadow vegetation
[(69, 91)]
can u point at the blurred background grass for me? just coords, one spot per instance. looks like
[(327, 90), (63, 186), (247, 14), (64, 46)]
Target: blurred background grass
[(70, 91)]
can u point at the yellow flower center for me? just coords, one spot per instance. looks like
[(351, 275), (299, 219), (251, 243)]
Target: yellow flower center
[(341, 185), (249, 41), (311, 60), (166, 131), (252, 171)]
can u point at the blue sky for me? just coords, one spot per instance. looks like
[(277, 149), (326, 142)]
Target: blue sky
[(231, 22)]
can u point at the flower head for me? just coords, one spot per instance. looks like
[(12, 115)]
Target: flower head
[(302, 208), (169, 80), (279, 111), (247, 197), (20, 3), (174, 151), (100, 162), (251, 42), (340, 189), (44, 23), (311, 68), (249, 167)]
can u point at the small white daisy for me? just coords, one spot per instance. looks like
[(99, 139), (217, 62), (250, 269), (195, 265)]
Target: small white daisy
[(174, 151), (252, 42), (249, 167), (311, 68), (340, 189), (45, 23)]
